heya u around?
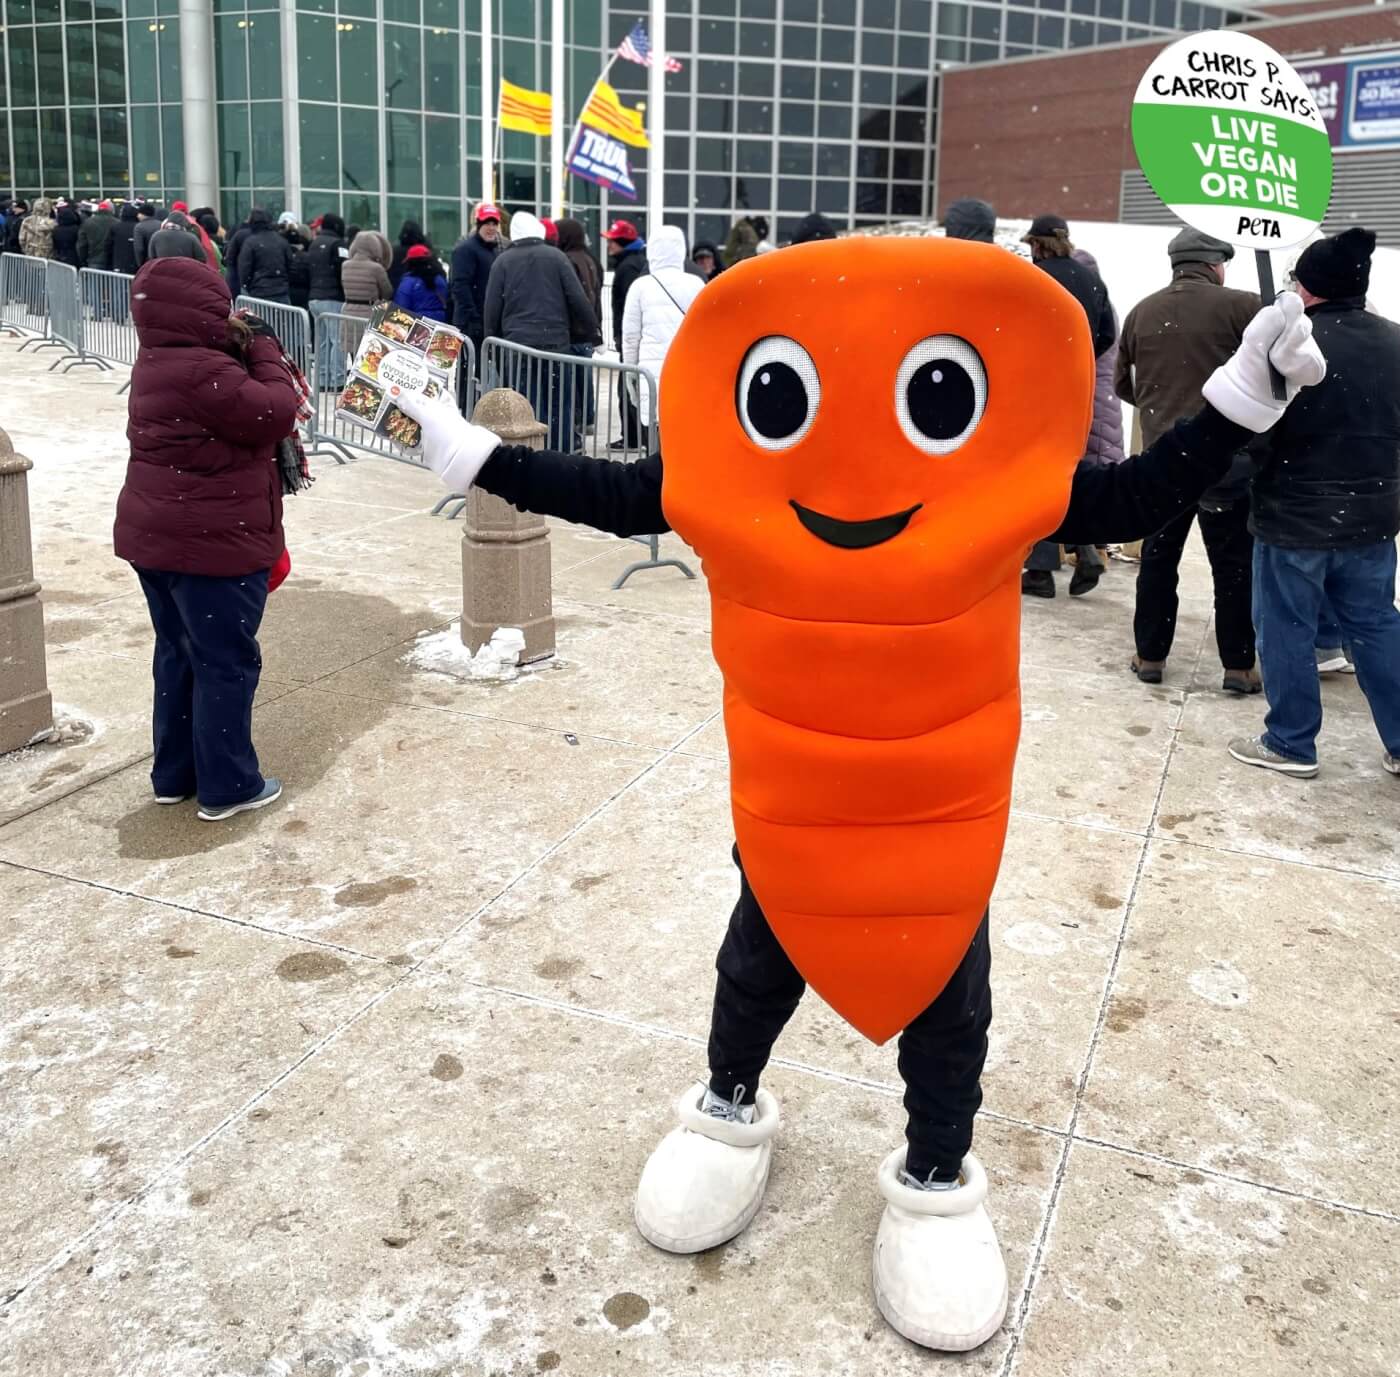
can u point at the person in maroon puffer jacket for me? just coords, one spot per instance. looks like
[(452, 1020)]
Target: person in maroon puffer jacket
[(200, 520)]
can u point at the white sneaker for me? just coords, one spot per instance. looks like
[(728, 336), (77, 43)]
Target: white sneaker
[(1390, 763), (940, 1279), (1334, 662), (705, 1180)]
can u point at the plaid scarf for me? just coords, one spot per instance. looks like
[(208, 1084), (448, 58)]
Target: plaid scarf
[(291, 456)]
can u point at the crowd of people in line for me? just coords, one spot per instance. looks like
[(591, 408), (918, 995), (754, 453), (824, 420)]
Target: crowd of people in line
[(1300, 535)]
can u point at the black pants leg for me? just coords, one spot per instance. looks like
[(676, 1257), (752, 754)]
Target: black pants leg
[(1154, 617), (1230, 548), (1044, 557), (941, 1053), (631, 420), (207, 665)]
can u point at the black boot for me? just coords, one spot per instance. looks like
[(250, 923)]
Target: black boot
[(1037, 583)]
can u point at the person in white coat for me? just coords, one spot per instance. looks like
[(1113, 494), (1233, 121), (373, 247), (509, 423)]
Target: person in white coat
[(656, 306)]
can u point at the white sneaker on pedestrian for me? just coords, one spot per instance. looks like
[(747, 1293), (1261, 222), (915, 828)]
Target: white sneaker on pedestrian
[(1251, 750), (271, 792), (940, 1279), (1334, 662), (1391, 763), (168, 799), (705, 1180)]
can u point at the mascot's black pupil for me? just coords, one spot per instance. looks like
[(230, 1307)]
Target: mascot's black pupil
[(777, 401), (942, 399)]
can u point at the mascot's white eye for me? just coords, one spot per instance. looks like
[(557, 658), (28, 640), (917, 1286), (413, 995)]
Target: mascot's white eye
[(940, 393), (778, 392)]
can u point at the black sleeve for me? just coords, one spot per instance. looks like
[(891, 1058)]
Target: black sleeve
[(1107, 331), (1135, 499), (624, 499)]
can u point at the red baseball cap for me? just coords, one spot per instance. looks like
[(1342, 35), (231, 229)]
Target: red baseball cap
[(486, 211), (624, 231), (104, 205), (419, 251), (180, 206)]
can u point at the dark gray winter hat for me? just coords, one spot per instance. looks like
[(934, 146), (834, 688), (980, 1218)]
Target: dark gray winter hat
[(970, 218), (1191, 246)]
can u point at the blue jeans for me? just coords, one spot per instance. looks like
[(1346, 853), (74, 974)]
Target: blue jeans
[(206, 666), (1291, 590), (330, 357)]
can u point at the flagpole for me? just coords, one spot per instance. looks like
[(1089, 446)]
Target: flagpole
[(490, 131), (656, 118), (556, 107)]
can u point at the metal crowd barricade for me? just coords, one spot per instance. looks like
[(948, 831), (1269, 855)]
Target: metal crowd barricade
[(109, 333), (590, 404), (24, 300), (337, 339), (66, 322), (291, 324)]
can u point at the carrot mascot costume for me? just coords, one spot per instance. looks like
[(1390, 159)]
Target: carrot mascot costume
[(862, 446)]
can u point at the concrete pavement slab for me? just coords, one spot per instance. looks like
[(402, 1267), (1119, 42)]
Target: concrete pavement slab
[(1157, 1270), (448, 1189), (392, 832), (1253, 1025), (131, 1031)]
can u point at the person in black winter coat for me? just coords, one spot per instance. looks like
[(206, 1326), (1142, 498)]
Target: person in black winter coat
[(14, 220), (472, 259), (176, 238), (326, 252), (813, 227), (534, 298), (124, 240), (65, 236), (705, 255), (410, 234), (264, 261), (1326, 511), (147, 226), (1050, 250), (95, 238)]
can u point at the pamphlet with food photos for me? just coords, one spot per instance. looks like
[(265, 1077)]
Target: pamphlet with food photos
[(399, 350)]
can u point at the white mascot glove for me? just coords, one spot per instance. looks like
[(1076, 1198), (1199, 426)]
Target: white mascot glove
[(1240, 389), (453, 447)]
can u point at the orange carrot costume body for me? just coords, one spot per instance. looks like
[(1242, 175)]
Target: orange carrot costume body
[(866, 591)]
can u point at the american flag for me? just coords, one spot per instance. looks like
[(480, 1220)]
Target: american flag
[(636, 47)]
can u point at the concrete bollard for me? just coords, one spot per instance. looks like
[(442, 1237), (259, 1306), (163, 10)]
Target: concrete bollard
[(505, 552), (26, 708)]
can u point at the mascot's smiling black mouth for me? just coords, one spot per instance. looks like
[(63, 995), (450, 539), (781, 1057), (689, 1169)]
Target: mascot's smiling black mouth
[(853, 535)]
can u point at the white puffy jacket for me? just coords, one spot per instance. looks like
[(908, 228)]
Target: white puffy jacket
[(655, 306)]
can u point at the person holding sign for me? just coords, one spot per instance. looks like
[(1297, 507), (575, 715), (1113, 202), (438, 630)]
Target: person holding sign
[(867, 511), (1326, 514)]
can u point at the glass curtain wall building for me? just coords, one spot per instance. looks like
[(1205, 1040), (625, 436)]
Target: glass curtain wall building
[(373, 107)]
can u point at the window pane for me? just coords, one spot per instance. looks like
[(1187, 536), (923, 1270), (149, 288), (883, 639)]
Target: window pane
[(756, 78), (1050, 31), (168, 61), (444, 225), (799, 83), (916, 16), (116, 163), (879, 14), (795, 195), (838, 45), (907, 164), (235, 147), (833, 198), (715, 36), (876, 88), (910, 126), (25, 129), (403, 68), (906, 200), (796, 119), (913, 51), (446, 14), (268, 154), (756, 39), (711, 191), (1020, 27), (265, 58), (755, 117), (874, 124), (844, 12), (145, 146), (799, 44), (231, 53), (833, 161), (359, 64), (987, 23), (359, 149), (755, 155), (53, 148), (878, 48), (716, 78), (795, 159), (22, 86), (872, 198), (87, 161), (716, 155), (443, 162), (403, 147), (20, 12), (318, 145), (441, 57), (172, 145), (834, 121), (677, 189), (82, 66), (836, 84), (872, 162), (407, 11), (315, 42), (716, 116), (49, 41)]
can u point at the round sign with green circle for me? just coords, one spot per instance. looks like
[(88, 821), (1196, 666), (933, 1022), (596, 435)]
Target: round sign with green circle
[(1231, 139)]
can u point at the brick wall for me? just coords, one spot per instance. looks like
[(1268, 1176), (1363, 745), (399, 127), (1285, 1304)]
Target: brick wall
[(1053, 133)]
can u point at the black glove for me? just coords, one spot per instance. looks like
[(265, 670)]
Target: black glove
[(257, 324)]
